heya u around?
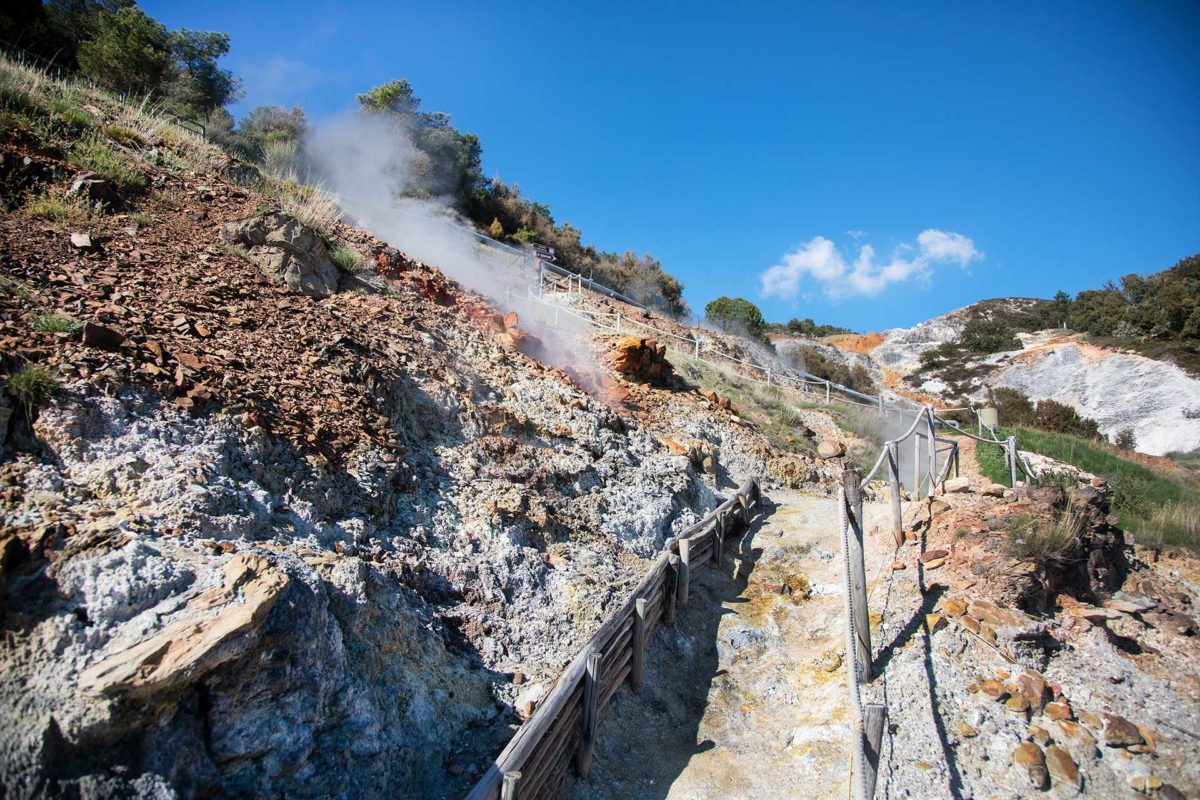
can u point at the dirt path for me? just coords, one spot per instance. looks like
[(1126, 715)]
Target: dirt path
[(746, 696), (968, 461)]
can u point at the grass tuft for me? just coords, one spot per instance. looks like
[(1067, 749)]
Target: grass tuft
[(30, 385), (53, 323), (96, 155), (15, 288), (348, 260), (73, 212), (1032, 539)]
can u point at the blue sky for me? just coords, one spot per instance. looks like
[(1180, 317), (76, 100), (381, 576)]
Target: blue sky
[(975, 150)]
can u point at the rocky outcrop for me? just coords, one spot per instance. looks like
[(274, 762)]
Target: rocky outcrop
[(285, 249), (199, 638), (640, 358)]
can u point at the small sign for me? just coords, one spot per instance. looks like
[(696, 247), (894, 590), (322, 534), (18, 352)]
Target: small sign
[(543, 252)]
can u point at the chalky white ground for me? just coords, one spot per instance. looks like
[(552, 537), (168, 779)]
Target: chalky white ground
[(747, 695)]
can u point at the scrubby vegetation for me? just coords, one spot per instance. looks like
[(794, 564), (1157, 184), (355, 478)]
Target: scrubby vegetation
[(816, 363), (1160, 509), (1016, 410), (116, 44), (806, 327)]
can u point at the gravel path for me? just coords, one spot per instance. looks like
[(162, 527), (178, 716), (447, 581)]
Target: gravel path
[(746, 696)]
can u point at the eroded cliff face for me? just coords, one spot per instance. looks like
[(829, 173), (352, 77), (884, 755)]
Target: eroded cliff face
[(1158, 401), (268, 541)]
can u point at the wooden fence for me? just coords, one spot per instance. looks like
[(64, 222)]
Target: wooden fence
[(562, 730)]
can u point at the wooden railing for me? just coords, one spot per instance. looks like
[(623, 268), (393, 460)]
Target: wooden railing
[(562, 730)]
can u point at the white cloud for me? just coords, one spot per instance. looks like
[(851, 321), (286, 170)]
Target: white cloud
[(821, 261)]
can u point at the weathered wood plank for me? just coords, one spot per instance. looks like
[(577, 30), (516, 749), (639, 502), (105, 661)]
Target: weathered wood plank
[(874, 716), (591, 708), (681, 591), (639, 644)]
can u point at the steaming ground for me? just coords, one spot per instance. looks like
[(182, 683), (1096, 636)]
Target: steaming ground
[(383, 182)]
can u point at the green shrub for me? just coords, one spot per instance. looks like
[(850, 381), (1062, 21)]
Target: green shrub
[(1125, 439), (738, 316), (988, 336)]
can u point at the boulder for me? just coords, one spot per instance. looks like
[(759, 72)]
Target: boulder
[(94, 189), (1030, 757), (956, 485), (828, 449), (285, 249)]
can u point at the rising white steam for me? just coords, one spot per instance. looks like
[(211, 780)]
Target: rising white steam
[(379, 178)]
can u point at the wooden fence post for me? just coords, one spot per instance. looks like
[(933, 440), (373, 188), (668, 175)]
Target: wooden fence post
[(618, 323), (718, 542), (681, 591), (851, 480), (916, 466), (670, 588), (508, 791), (874, 716), (826, 392), (1012, 459), (697, 348), (933, 472), (957, 461), (894, 478), (639, 643), (591, 699)]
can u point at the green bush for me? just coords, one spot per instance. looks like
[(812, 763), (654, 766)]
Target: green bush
[(988, 336)]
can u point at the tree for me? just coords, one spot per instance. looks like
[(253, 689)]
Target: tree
[(200, 86), (1061, 307), (1125, 439), (496, 230), (129, 52), (736, 315)]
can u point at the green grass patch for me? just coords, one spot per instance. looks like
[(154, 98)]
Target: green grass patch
[(347, 259), (96, 155), (1157, 508), (30, 385), (54, 323)]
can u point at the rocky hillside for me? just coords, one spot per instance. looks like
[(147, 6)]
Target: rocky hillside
[(286, 512), (1121, 390)]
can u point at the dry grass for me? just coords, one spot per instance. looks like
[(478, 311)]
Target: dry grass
[(1172, 525), (30, 385), (1033, 539), (63, 213), (312, 206)]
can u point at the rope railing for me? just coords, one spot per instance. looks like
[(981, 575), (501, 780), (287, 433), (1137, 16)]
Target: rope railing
[(563, 728)]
